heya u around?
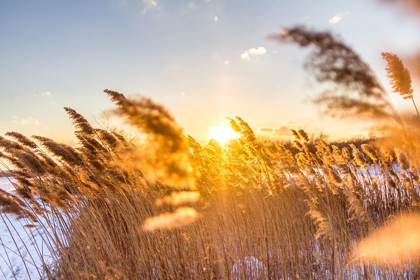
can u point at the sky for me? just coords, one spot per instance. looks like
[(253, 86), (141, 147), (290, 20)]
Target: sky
[(204, 60)]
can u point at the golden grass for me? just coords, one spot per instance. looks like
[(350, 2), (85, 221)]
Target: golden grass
[(257, 210), (168, 207)]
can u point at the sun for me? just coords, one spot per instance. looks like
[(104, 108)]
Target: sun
[(223, 133)]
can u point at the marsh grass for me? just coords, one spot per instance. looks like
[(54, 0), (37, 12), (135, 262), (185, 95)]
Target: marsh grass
[(167, 207), (258, 210)]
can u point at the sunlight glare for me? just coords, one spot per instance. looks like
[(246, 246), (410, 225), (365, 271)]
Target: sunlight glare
[(223, 133)]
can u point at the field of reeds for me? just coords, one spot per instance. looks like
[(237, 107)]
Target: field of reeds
[(160, 205)]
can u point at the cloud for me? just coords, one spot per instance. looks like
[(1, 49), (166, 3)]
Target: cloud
[(191, 5), (246, 55), (282, 130), (257, 51), (227, 62), (337, 18), (216, 19), (265, 129), (45, 93), (29, 120), (148, 5)]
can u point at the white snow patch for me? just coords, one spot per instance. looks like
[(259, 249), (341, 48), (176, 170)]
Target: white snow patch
[(20, 247)]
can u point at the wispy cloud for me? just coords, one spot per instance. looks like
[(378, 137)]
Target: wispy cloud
[(257, 51), (283, 130), (29, 120), (148, 5), (191, 5), (337, 18), (227, 62), (216, 19), (45, 93), (246, 55)]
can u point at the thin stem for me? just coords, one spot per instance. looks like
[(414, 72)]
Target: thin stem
[(414, 103)]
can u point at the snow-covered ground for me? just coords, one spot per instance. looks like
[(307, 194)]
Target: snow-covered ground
[(20, 247)]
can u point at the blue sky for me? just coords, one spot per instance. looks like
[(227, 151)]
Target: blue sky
[(204, 60)]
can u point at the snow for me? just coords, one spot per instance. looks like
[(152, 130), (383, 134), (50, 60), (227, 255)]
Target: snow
[(249, 268), (20, 247), (6, 184)]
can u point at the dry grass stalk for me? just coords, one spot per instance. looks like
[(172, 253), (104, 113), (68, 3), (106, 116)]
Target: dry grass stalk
[(399, 77), (254, 200)]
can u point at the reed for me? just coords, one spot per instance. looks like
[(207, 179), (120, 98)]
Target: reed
[(164, 206)]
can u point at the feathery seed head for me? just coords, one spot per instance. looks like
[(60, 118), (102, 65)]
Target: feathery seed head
[(370, 151), (303, 135), (398, 75), (403, 160)]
